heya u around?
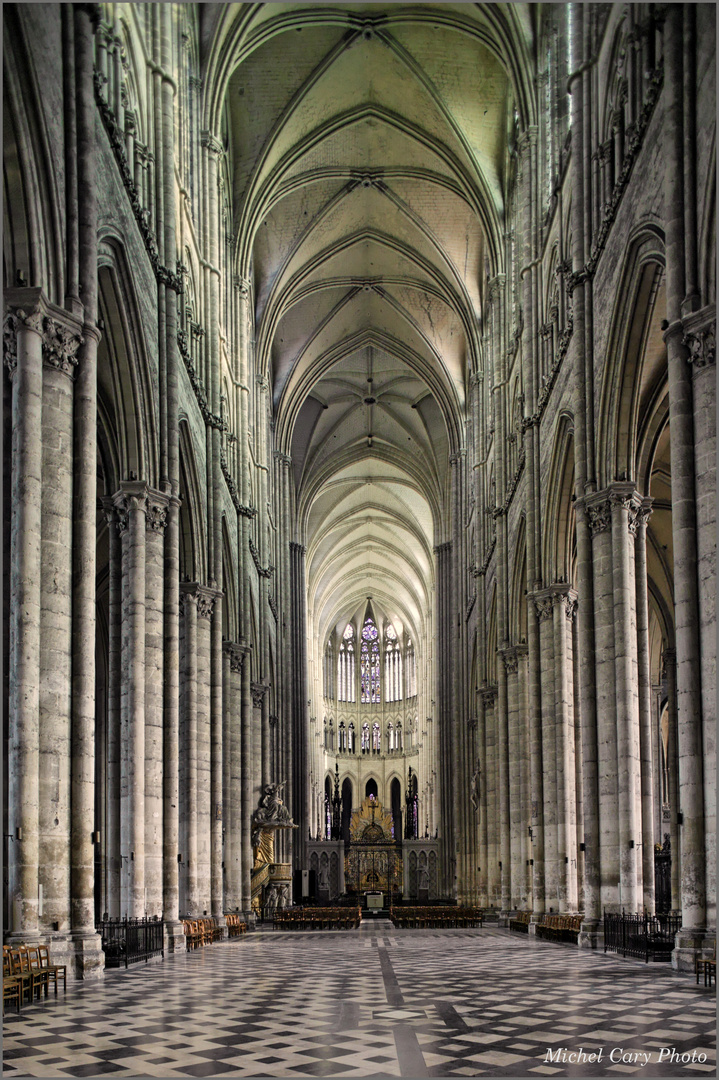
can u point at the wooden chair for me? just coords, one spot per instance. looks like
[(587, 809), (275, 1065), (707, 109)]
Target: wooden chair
[(40, 974), (707, 966), (53, 970), (11, 984), (20, 967)]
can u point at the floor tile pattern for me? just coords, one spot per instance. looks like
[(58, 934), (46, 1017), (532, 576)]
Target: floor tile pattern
[(373, 1002)]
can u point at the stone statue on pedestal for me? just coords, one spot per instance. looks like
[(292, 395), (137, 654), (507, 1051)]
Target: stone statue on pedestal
[(271, 814)]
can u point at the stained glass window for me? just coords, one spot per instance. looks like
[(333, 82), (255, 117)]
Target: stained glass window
[(376, 738), (370, 664), (365, 738)]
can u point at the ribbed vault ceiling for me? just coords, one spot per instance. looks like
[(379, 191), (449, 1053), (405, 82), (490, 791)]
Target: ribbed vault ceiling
[(369, 144)]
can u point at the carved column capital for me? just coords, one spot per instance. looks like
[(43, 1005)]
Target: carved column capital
[(201, 596), (543, 606), (258, 689), (511, 660), (236, 653), (156, 511), (599, 513), (488, 694), (211, 143), (131, 498), (700, 340)]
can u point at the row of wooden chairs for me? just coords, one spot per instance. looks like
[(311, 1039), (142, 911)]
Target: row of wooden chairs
[(27, 973), (520, 922), (199, 932), (422, 917), (235, 925), (560, 927), (345, 918)]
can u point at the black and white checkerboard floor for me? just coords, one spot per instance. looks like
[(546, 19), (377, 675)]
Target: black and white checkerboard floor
[(372, 1002)]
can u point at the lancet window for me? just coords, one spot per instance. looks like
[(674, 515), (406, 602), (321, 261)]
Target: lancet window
[(351, 738), (370, 664), (410, 670), (392, 665), (329, 672), (346, 666), (342, 738), (365, 738)]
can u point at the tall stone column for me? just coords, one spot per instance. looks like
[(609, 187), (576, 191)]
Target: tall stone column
[(22, 333), (113, 862), (247, 791), (564, 601), (171, 708), (482, 856), (188, 747), (511, 664), (131, 506), (700, 340), (645, 706), (233, 875), (550, 811), (525, 821), (205, 603), (493, 848), (599, 519), (669, 667), (155, 522), (684, 525), (624, 504), (216, 752), (227, 834), (61, 341)]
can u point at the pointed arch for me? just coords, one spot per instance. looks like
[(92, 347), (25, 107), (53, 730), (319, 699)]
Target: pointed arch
[(557, 555), (636, 357)]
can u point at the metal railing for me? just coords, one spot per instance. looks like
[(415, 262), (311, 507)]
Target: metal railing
[(128, 941), (641, 936)]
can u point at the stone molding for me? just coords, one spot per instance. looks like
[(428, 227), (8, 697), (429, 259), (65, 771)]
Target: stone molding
[(263, 571)]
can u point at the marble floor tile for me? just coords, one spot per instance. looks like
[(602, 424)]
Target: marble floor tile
[(375, 1002)]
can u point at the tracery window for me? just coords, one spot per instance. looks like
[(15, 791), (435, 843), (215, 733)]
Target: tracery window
[(365, 738), (351, 738), (346, 666), (370, 664), (390, 737), (398, 736), (342, 738), (392, 665), (411, 670)]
